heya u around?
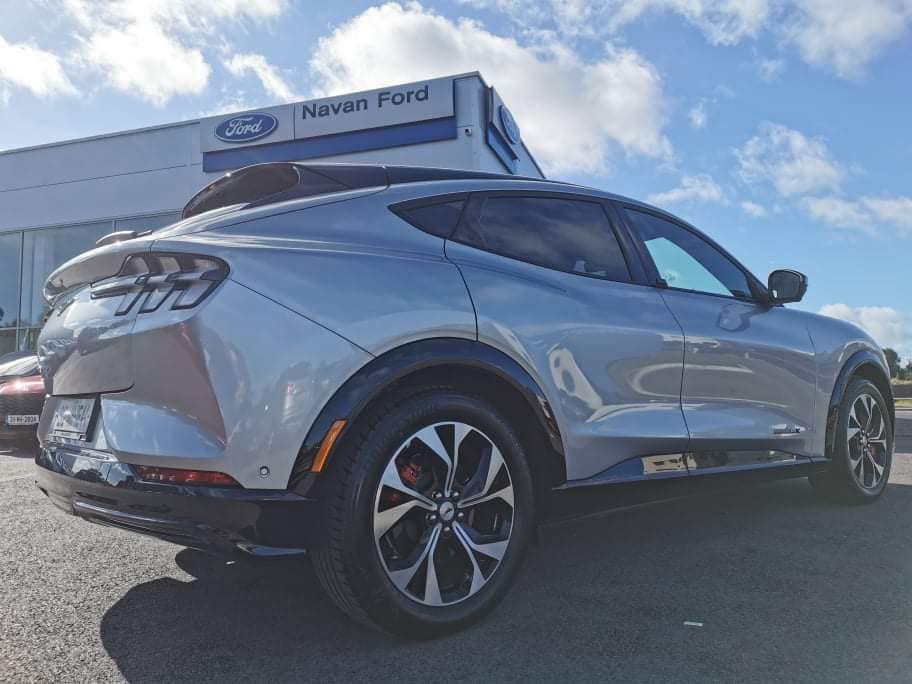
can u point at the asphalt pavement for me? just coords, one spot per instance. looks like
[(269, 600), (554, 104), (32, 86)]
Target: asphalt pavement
[(753, 584)]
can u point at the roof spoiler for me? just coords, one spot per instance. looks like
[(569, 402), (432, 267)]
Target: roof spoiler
[(272, 182)]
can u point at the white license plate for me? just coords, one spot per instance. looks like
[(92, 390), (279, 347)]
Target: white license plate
[(22, 420), (72, 418)]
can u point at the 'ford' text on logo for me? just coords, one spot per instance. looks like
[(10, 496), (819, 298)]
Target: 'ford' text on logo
[(241, 129)]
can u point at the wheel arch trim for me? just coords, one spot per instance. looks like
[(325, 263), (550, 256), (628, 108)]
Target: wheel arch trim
[(860, 360), (384, 371)]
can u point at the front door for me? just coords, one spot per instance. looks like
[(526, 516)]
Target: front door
[(749, 369)]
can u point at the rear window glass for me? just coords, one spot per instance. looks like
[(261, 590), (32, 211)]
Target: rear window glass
[(242, 187), (279, 181), (438, 219)]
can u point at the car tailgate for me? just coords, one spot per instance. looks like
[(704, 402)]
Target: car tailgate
[(85, 347)]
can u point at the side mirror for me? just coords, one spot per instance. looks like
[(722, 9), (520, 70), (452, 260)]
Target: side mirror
[(786, 286)]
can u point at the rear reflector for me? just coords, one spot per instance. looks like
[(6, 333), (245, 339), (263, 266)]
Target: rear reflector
[(185, 477)]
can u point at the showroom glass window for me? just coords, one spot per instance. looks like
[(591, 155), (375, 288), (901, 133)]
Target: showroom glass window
[(562, 234), (685, 261), (42, 252), (10, 256)]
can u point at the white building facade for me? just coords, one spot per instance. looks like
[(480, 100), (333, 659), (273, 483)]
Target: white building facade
[(56, 200)]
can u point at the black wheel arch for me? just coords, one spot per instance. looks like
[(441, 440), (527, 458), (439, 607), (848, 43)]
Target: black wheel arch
[(864, 364), (463, 364)]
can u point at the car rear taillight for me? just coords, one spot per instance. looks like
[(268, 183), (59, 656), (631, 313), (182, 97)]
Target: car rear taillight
[(150, 280), (33, 384), (185, 477)]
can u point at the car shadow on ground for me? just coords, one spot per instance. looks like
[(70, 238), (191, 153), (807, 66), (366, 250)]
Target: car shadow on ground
[(780, 580)]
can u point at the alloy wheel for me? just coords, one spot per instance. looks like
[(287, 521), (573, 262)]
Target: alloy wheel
[(443, 513), (866, 437)]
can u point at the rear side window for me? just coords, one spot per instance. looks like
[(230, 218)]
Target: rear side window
[(438, 219), (562, 234)]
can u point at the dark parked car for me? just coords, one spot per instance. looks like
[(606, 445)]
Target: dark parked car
[(21, 397)]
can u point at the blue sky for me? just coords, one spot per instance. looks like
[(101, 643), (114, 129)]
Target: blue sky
[(781, 127)]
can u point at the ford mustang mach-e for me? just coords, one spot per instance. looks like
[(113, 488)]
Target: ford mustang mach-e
[(397, 370)]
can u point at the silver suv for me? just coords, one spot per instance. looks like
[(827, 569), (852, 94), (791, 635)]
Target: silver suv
[(402, 370)]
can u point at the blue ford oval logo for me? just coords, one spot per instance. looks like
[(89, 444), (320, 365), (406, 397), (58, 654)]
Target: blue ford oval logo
[(246, 127), (511, 128)]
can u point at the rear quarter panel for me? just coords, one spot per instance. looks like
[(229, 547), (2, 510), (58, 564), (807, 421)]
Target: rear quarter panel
[(231, 386), (354, 267)]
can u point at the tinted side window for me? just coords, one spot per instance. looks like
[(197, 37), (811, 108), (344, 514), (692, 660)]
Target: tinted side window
[(685, 261), (563, 234), (437, 219)]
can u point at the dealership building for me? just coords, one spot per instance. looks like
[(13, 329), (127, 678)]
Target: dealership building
[(56, 200)]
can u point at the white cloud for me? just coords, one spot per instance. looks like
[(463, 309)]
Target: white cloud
[(699, 188), (723, 22), (896, 211), (26, 66), (868, 214), (231, 99), (157, 68), (186, 16), (574, 113), (698, 115), (839, 212), (800, 167), (840, 35), (889, 327), (770, 68), (844, 35), (154, 48), (269, 76), (792, 162), (753, 209)]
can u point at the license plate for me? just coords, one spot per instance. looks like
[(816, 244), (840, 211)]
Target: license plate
[(73, 418), (22, 420)]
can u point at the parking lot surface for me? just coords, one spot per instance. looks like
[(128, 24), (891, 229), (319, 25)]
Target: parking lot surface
[(779, 584)]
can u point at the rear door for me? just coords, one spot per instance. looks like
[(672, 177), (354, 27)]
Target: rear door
[(749, 369), (557, 288)]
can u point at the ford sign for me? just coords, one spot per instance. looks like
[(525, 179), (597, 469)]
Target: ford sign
[(511, 128), (246, 127)]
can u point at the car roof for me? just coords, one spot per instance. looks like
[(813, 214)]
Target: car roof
[(273, 182)]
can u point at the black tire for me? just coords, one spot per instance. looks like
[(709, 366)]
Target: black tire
[(347, 559), (840, 482)]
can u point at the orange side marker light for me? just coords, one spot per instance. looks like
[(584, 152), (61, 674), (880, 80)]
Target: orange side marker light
[(323, 453)]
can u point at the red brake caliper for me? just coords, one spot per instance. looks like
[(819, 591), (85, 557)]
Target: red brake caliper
[(409, 473)]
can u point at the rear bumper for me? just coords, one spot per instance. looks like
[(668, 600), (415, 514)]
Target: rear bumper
[(18, 433), (225, 520)]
